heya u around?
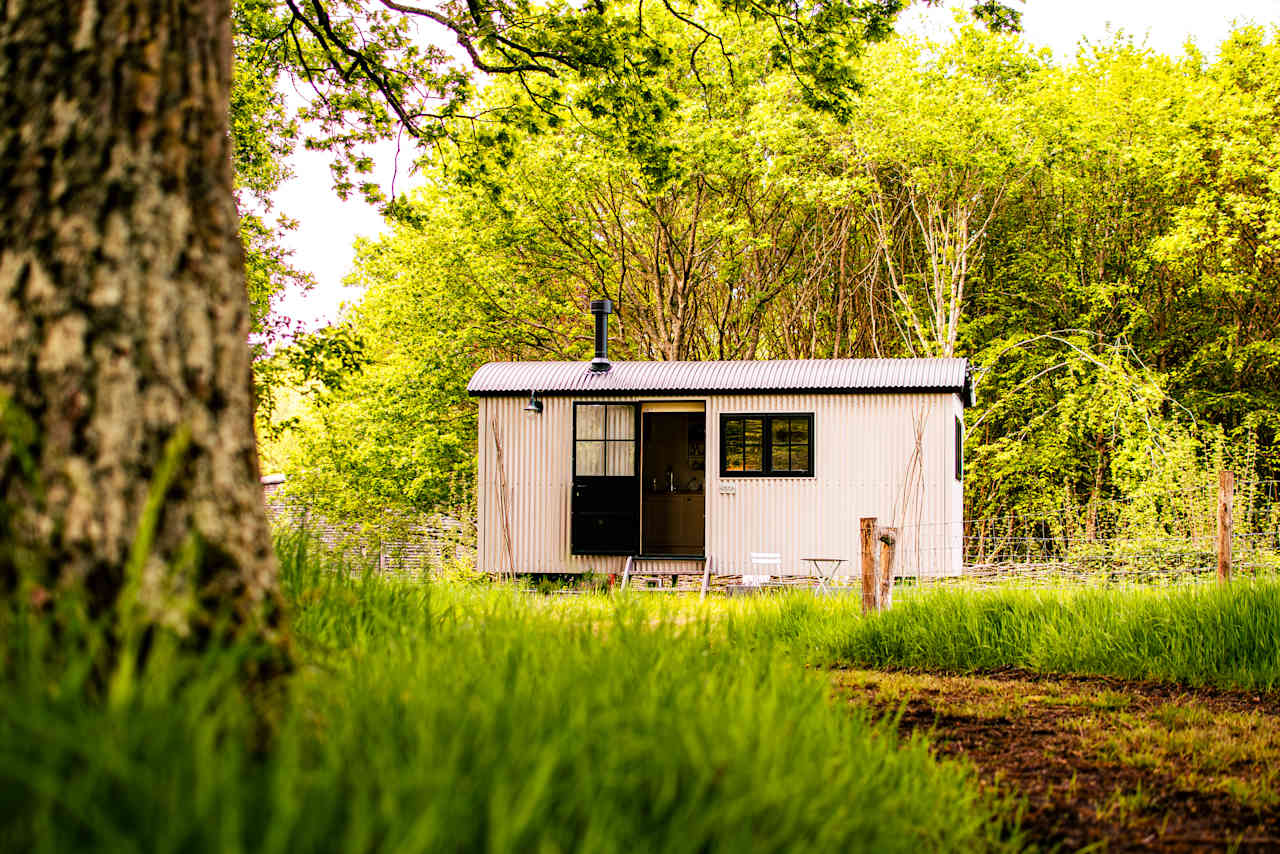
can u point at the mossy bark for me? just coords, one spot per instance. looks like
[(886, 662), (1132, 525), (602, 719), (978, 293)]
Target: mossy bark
[(123, 314)]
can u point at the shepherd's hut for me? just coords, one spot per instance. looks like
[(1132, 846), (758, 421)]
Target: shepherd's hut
[(591, 467)]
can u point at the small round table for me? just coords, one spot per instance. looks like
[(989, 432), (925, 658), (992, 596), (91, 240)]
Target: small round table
[(825, 579)]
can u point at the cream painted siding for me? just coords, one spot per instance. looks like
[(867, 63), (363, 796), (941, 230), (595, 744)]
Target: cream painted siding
[(864, 448), (864, 445), (538, 460)]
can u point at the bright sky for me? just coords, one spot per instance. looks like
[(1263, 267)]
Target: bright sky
[(328, 227)]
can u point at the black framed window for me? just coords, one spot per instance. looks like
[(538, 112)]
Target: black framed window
[(604, 440), (959, 449), (775, 445)]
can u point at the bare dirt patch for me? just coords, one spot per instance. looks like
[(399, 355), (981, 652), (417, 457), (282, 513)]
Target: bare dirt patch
[(1102, 763)]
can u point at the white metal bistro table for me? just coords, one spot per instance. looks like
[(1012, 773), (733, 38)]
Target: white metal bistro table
[(825, 579)]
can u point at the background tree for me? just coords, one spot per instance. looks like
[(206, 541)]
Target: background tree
[(977, 198)]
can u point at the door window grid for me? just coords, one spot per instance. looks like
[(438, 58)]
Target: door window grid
[(604, 440)]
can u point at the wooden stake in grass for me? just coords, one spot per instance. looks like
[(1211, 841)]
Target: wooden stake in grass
[(868, 564), (1226, 494), (888, 545)]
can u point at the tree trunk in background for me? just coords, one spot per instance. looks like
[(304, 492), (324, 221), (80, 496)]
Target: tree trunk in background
[(123, 315)]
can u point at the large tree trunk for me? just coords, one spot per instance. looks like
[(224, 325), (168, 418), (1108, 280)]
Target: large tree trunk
[(123, 315)]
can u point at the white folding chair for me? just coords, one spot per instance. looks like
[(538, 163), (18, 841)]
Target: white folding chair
[(761, 559)]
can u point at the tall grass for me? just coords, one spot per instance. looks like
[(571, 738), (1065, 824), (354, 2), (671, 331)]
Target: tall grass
[(458, 718), (1226, 636)]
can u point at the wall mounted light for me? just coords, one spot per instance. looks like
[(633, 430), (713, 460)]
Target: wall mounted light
[(534, 407)]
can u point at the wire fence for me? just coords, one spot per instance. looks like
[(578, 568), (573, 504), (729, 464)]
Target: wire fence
[(1162, 540), (411, 548), (1158, 541)]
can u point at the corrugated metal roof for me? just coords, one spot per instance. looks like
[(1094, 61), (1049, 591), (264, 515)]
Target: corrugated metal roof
[(670, 378)]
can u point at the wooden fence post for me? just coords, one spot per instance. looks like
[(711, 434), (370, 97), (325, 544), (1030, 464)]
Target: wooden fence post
[(1226, 495), (888, 545), (868, 564)]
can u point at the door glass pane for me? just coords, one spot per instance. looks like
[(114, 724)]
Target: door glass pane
[(591, 421), (605, 440), (622, 422), (622, 459), (590, 457), (753, 439)]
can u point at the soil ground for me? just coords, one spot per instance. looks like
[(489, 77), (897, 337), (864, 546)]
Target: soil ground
[(1101, 764)]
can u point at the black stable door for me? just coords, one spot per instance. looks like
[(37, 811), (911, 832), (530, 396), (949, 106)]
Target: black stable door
[(605, 510)]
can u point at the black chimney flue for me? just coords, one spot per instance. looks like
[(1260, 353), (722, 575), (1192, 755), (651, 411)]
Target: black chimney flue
[(601, 308)]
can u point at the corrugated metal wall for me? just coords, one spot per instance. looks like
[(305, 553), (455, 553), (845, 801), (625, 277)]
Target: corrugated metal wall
[(538, 461), (865, 445), (864, 448)]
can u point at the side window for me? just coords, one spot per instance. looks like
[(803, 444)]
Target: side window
[(766, 445), (959, 449), (604, 440)]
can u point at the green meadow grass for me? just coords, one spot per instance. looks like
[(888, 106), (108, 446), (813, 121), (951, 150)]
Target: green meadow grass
[(1222, 635), (451, 717), (1226, 636)]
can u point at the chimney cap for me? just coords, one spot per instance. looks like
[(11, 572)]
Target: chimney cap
[(602, 306)]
